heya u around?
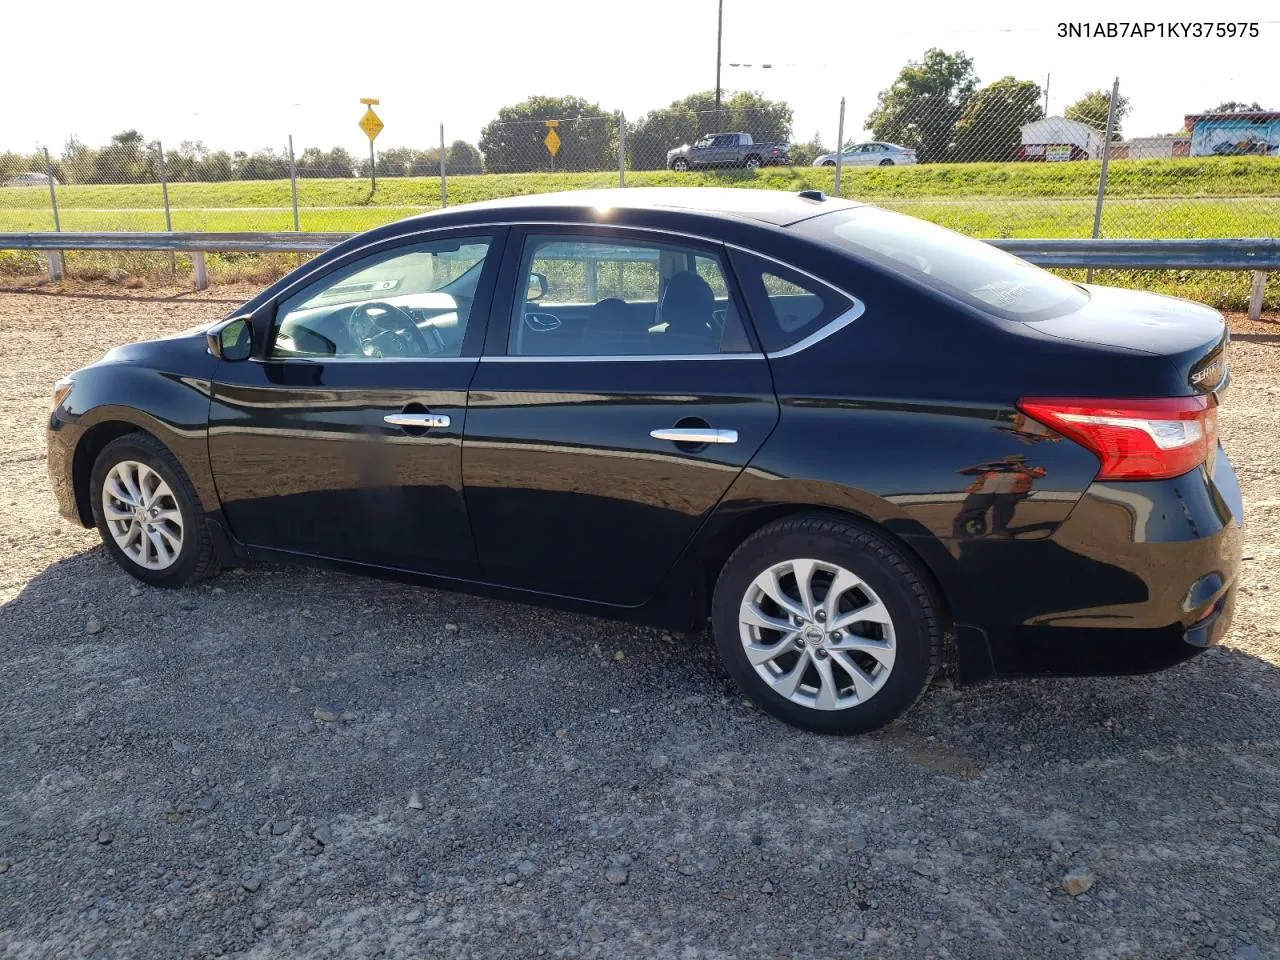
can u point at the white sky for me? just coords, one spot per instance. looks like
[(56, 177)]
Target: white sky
[(243, 75)]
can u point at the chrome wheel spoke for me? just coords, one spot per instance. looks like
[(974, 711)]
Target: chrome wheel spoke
[(881, 650), (754, 615), (769, 584), (862, 684), (115, 514), (874, 612), (118, 492), (759, 653), (804, 570), (828, 692), (788, 683)]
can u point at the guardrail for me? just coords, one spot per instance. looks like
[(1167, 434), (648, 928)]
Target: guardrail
[(1259, 255)]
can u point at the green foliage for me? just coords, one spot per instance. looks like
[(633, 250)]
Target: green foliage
[(695, 116), (514, 141), (1236, 106), (803, 154), (988, 127), (315, 163), (923, 105), (463, 159), (1092, 109)]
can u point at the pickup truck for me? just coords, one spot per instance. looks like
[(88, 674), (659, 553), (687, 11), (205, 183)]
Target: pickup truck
[(727, 150)]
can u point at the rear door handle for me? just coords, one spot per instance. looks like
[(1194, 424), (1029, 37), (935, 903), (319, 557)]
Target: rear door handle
[(695, 435), (419, 420)]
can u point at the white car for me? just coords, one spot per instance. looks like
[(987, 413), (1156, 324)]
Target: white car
[(874, 154), (32, 180)]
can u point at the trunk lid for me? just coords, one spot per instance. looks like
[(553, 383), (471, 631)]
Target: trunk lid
[(1191, 336)]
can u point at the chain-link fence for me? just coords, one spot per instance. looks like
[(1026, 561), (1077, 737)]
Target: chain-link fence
[(989, 163)]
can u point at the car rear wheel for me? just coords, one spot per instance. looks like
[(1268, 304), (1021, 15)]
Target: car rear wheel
[(680, 165), (751, 163), (148, 513), (826, 624), (886, 163), (828, 163)]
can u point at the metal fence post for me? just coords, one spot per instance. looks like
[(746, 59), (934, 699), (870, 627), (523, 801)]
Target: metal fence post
[(1255, 294), (840, 148), (444, 182), (201, 269), (293, 185), (164, 194), (57, 266), (622, 149), (1102, 177)]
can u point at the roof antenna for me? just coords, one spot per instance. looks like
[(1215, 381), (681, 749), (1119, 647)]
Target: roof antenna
[(813, 195)]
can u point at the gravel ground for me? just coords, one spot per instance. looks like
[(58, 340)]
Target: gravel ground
[(283, 762)]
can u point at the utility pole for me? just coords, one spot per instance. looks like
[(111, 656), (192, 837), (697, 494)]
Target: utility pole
[(1046, 94), (719, 39)]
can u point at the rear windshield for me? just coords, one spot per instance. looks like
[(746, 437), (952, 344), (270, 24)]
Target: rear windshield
[(970, 270)]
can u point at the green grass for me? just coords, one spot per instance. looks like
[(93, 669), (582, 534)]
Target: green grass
[(1191, 197)]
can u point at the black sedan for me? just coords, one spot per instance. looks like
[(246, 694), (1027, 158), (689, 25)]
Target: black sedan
[(836, 434)]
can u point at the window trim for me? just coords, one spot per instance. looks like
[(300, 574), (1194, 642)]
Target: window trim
[(837, 323), (503, 308)]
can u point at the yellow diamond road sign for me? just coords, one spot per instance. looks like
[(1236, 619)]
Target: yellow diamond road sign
[(370, 124), (552, 141)]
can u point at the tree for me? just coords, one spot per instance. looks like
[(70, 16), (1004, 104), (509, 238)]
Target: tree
[(1235, 106), (338, 162), (1092, 108), (463, 158), (923, 105), (261, 165), (123, 160), (695, 116), (77, 161), (514, 142), (803, 154), (988, 129)]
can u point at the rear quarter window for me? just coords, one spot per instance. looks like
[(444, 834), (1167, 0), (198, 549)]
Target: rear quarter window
[(786, 305)]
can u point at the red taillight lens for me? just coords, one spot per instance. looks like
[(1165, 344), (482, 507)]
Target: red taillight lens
[(1134, 439)]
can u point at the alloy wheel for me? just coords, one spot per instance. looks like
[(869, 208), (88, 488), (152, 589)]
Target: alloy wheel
[(142, 515), (817, 634)]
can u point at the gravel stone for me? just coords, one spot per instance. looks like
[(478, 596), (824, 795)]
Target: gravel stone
[(617, 875), (1078, 880), (94, 625), (326, 716)]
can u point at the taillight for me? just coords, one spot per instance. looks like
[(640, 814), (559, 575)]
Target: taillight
[(1135, 439)]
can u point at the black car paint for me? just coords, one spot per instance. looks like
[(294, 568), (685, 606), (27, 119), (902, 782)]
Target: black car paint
[(549, 466)]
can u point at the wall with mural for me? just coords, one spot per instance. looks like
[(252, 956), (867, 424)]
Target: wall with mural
[(1232, 137)]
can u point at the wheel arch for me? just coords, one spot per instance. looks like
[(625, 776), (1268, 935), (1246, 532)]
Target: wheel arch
[(90, 445), (720, 545)]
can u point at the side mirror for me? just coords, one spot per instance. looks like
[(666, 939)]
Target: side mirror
[(232, 340), (537, 287)]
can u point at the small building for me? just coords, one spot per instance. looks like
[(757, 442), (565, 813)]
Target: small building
[(1152, 148), (1235, 134), (1057, 138)]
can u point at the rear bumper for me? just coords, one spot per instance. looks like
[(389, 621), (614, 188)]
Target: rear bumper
[(1139, 577)]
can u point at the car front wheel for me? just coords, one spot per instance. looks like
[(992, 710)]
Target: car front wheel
[(826, 624), (680, 165), (149, 514)]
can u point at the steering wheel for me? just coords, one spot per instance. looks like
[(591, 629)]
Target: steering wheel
[(399, 334)]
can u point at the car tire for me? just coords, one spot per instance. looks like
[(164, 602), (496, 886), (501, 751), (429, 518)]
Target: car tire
[(886, 163), (751, 163), (680, 165), (829, 163), (807, 680), (136, 479)]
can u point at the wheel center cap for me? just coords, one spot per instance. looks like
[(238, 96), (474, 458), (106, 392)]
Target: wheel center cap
[(813, 634)]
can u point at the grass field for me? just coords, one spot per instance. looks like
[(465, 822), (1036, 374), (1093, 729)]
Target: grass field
[(1193, 197)]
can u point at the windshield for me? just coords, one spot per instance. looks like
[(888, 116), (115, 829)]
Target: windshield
[(967, 269)]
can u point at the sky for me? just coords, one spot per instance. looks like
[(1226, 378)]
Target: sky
[(245, 75)]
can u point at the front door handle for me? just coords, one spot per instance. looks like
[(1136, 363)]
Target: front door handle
[(695, 435), (419, 420)]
